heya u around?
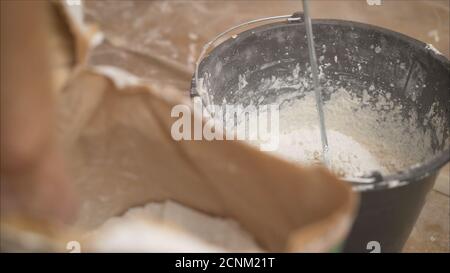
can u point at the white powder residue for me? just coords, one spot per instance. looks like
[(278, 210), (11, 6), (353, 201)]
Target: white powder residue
[(377, 49), (242, 81), (432, 48), (168, 227)]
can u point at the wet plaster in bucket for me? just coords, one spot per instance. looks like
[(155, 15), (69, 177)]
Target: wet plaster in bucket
[(369, 130)]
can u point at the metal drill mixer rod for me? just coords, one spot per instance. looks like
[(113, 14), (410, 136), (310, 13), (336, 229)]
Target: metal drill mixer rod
[(317, 88)]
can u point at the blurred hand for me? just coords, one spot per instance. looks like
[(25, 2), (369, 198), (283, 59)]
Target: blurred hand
[(33, 181)]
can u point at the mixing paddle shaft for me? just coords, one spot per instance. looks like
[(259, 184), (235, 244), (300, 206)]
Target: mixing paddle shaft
[(317, 89)]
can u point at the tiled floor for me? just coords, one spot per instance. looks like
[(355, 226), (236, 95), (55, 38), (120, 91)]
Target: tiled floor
[(172, 33)]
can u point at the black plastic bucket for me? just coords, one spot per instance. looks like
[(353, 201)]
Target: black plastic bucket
[(391, 205)]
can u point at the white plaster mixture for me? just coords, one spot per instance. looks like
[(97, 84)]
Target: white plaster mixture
[(365, 133), (299, 141), (347, 157), (300, 137)]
